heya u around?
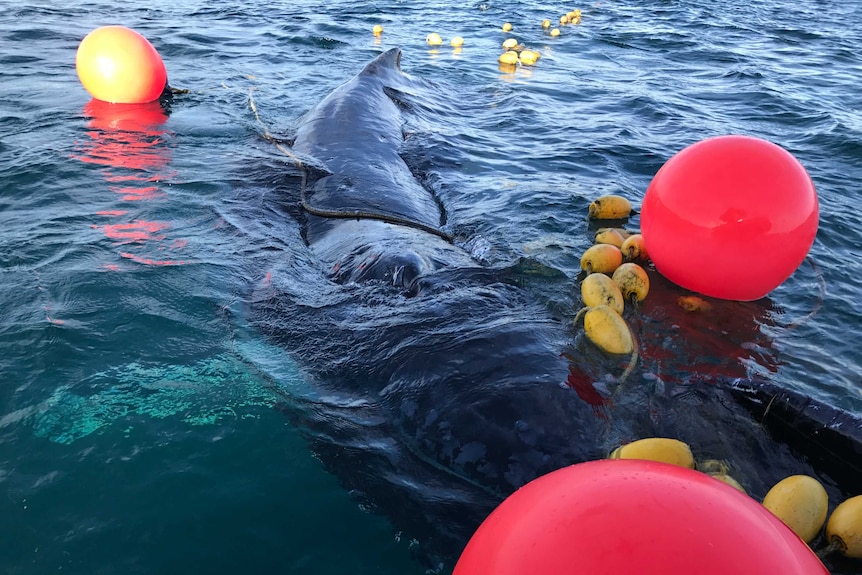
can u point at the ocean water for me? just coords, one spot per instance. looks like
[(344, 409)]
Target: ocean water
[(142, 420)]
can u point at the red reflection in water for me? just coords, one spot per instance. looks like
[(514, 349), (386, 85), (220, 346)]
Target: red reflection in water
[(137, 231), (679, 352), (137, 118), (130, 194), (717, 344), (126, 136), (151, 261), (129, 141)]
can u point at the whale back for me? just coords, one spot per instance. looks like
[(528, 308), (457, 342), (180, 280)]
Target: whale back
[(354, 136)]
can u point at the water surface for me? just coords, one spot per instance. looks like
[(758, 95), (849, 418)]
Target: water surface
[(140, 420)]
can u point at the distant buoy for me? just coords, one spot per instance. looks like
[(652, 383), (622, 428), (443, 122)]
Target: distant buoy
[(377, 30), (434, 39), (509, 58), (457, 42), (529, 57), (117, 65), (510, 43), (555, 32), (507, 27)]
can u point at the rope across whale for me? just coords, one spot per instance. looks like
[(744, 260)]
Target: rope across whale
[(340, 214)]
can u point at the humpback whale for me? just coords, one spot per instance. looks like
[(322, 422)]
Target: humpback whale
[(442, 384)]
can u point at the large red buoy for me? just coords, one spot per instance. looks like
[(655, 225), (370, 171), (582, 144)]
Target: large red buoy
[(730, 217), (618, 517)]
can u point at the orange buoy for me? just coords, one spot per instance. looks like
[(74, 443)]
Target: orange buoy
[(117, 65)]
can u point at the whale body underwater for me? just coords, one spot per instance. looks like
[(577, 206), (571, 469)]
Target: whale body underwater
[(441, 383)]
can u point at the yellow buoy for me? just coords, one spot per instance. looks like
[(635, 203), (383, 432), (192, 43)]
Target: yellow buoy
[(507, 27), (663, 449), (800, 501), (378, 30), (546, 23), (725, 478), (509, 58), (510, 43), (555, 32), (717, 469), (529, 57), (601, 258), (844, 529), (610, 207), (613, 236), (457, 42), (632, 280), (608, 330), (693, 303), (434, 39), (598, 289), (633, 248)]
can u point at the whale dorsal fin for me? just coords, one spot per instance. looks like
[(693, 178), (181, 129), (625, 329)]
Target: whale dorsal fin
[(388, 61)]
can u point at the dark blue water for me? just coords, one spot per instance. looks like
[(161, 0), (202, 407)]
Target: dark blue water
[(141, 428)]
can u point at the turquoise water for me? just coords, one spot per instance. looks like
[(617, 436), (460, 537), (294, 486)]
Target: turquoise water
[(141, 417)]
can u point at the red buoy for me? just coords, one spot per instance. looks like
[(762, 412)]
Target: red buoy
[(730, 217), (618, 517)]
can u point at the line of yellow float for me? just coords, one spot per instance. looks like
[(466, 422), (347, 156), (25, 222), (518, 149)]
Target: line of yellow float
[(799, 501), (514, 53), (611, 281)]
